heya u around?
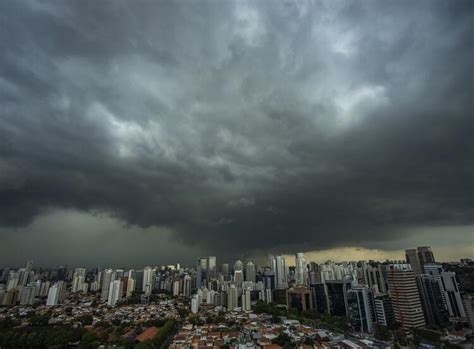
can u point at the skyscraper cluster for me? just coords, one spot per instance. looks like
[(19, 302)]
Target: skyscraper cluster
[(413, 293)]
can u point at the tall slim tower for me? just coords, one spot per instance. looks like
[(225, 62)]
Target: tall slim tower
[(232, 297), (108, 276), (279, 268), (250, 273), (148, 280), (211, 267), (300, 269)]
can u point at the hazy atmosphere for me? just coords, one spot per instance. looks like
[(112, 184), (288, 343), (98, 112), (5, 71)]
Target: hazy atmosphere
[(147, 132)]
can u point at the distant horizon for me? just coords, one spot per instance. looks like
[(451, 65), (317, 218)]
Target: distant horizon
[(288, 257)]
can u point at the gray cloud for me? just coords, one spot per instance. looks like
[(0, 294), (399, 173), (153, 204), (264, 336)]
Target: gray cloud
[(239, 125)]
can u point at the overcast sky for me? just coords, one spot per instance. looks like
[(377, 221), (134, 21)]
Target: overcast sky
[(145, 132)]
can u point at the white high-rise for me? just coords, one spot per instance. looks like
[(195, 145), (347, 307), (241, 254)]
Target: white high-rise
[(108, 276), (211, 266), (194, 304), (148, 280), (279, 268), (115, 292), (55, 293), (77, 283), (300, 269)]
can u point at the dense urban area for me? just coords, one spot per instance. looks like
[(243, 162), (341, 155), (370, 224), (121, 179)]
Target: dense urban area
[(415, 303)]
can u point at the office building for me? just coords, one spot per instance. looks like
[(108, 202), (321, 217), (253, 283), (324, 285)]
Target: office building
[(319, 297), (336, 291), (418, 257), (468, 302), (452, 295), (406, 302), (432, 300), (360, 309), (383, 310), (299, 298)]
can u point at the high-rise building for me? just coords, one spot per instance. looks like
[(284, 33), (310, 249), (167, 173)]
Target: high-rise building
[(225, 270), (201, 270), (211, 267), (13, 280), (25, 273), (319, 297), (375, 279), (11, 297), (232, 297), (187, 286), (418, 257), (238, 277), (300, 269), (176, 287), (360, 309), (468, 302), (435, 270), (452, 295), (414, 261), (425, 255), (337, 296), (44, 289), (108, 276), (383, 310), (238, 265), (131, 284), (203, 263), (54, 294), (77, 283), (432, 300), (115, 292), (406, 302), (299, 298), (250, 272), (27, 294), (148, 280), (194, 304), (246, 300), (279, 268)]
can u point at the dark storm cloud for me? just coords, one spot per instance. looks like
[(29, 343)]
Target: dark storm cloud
[(244, 125)]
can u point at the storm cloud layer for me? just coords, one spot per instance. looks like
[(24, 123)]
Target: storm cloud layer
[(238, 125)]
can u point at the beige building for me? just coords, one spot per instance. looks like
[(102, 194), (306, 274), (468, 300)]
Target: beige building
[(405, 297)]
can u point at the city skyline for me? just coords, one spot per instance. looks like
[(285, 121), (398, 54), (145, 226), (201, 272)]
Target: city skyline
[(149, 132), (356, 303)]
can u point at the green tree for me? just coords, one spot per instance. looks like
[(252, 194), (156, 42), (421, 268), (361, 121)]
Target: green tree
[(89, 341)]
